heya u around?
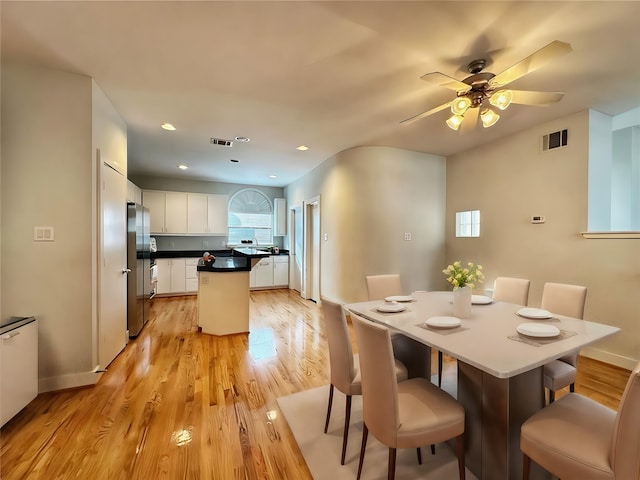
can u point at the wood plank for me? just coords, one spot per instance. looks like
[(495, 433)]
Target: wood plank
[(177, 403)]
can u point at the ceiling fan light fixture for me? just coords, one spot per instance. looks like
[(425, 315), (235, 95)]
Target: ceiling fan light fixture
[(455, 121), (501, 99), (489, 118), (460, 105)]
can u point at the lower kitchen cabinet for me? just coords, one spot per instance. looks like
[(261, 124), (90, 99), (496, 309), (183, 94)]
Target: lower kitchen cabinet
[(18, 369), (191, 275), (281, 271), (171, 275)]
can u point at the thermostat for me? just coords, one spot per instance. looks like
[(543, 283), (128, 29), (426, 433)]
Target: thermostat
[(537, 219)]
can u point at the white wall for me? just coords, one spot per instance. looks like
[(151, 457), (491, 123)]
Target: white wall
[(509, 181), (47, 180), (370, 196)]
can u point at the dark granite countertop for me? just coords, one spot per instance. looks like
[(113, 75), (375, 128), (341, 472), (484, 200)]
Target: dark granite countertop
[(227, 264), (198, 253)]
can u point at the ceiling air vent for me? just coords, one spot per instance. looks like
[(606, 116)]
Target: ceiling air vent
[(222, 142), (554, 140)]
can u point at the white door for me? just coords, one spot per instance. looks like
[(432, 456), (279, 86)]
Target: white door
[(295, 251), (112, 317)]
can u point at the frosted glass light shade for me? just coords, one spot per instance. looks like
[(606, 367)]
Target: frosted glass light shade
[(455, 121), (489, 117), (460, 105), (501, 99)]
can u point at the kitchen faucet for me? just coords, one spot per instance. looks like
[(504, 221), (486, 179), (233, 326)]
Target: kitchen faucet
[(254, 241)]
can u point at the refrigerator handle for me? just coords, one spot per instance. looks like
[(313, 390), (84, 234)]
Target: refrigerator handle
[(126, 271)]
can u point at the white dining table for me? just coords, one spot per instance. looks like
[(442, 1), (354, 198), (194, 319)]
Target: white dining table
[(500, 372)]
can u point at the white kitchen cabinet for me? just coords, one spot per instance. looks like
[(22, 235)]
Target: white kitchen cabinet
[(134, 194), (171, 275), (175, 217), (191, 275), (217, 214), (280, 270), (262, 274), (155, 202), (197, 213), (279, 217), (18, 369)]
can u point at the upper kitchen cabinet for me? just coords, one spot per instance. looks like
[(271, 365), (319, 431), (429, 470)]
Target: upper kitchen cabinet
[(155, 202), (178, 213), (279, 217), (217, 214), (134, 194)]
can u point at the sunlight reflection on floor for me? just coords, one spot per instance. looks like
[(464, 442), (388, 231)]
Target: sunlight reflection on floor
[(261, 344)]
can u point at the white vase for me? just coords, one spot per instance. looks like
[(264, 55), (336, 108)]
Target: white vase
[(462, 302)]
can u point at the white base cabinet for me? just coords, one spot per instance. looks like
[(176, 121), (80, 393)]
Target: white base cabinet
[(191, 275), (270, 272), (171, 275), (18, 370), (281, 271)]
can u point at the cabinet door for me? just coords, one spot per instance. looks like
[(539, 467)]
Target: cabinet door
[(191, 275), (18, 370), (155, 202), (178, 275), (217, 214), (164, 275), (281, 272), (197, 218), (264, 273), (279, 217), (176, 212)]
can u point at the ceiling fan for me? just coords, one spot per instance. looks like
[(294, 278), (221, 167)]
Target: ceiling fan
[(480, 88)]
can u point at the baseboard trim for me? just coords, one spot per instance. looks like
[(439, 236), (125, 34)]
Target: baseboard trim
[(610, 358), (64, 382)]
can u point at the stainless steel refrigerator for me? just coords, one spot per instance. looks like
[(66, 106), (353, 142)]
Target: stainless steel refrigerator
[(138, 262)]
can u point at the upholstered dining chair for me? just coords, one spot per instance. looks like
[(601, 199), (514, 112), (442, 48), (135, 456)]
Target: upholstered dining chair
[(406, 414), (344, 365), (577, 438), (567, 300), (511, 290), (383, 286)]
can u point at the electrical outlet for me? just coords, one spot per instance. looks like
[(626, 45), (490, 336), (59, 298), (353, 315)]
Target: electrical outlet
[(326, 237), (407, 236)]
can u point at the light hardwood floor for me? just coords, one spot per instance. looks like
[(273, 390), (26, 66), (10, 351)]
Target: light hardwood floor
[(178, 404)]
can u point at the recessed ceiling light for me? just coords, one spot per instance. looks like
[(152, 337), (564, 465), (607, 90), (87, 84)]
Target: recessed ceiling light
[(242, 139), (182, 166), (168, 126), (302, 148), (234, 160), (273, 176)]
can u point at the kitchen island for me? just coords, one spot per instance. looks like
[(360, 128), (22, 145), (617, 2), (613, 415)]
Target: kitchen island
[(223, 292)]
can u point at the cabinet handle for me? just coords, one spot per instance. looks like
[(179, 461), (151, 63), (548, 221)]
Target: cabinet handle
[(126, 271), (10, 335)]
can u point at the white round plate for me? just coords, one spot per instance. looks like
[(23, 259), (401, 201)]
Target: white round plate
[(391, 307), (480, 300), (542, 330), (399, 298), (443, 322), (534, 313)]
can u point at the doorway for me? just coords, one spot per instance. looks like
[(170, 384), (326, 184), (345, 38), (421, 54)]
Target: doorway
[(296, 249), (311, 241)]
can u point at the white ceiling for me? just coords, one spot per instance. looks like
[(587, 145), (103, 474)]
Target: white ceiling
[(330, 75)]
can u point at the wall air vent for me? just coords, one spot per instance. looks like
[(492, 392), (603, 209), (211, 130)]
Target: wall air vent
[(222, 142), (554, 140)]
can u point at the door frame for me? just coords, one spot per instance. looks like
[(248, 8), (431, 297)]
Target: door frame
[(311, 249)]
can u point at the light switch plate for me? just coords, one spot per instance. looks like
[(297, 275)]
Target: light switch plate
[(407, 236), (43, 234)]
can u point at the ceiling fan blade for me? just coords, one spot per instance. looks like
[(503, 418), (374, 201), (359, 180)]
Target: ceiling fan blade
[(425, 114), (446, 81), (470, 120), (534, 61), (524, 97)]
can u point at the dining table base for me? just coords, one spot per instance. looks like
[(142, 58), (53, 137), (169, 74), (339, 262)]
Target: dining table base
[(495, 409), (415, 355)]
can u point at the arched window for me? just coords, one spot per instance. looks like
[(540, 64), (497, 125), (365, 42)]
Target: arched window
[(250, 217)]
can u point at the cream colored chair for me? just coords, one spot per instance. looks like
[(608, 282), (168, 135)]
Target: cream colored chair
[(406, 414), (511, 290), (344, 365), (567, 300), (380, 287), (577, 438)]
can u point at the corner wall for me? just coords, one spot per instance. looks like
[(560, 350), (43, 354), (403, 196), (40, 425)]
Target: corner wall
[(509, 181), (370, 196)]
